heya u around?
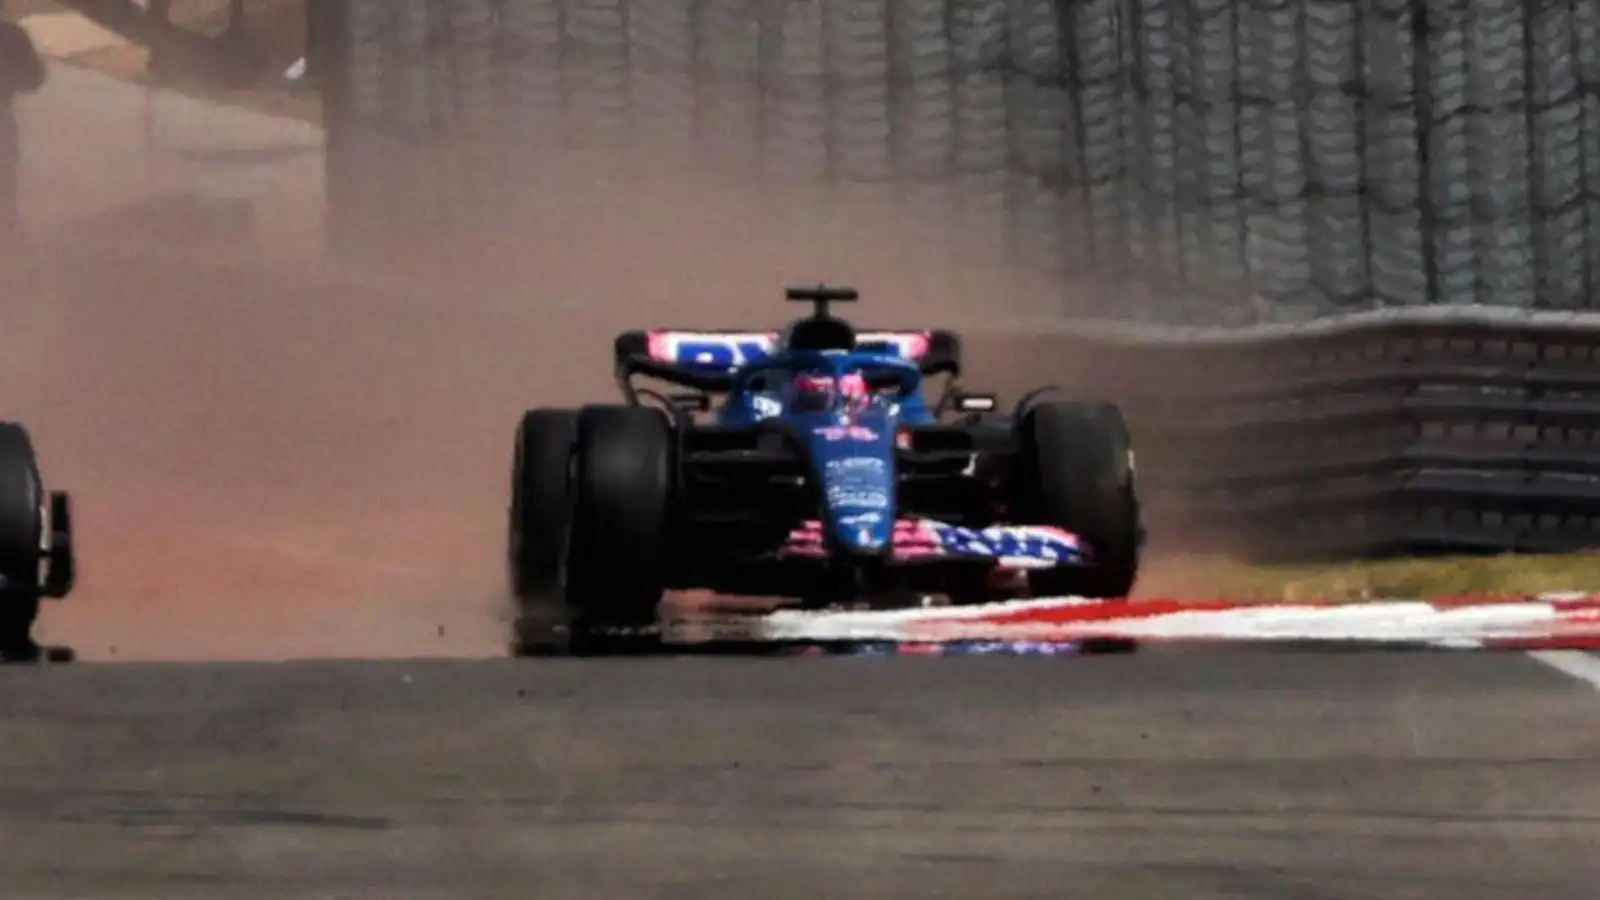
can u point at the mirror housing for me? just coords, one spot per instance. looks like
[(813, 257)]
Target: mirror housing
[(980, 403)]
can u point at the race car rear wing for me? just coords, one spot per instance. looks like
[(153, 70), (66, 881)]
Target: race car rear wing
[(707, 360)]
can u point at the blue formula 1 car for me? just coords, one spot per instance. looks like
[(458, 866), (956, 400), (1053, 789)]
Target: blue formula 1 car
[(823, 475)]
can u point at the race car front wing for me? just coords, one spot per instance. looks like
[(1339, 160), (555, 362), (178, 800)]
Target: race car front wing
[(932, 541)]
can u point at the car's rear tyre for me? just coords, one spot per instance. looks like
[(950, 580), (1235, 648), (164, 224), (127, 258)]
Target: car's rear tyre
[(21, 542), (1078, 474), (618, 545)]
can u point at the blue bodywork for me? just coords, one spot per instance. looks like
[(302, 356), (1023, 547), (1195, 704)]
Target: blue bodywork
[(759, 387), (851, 448)]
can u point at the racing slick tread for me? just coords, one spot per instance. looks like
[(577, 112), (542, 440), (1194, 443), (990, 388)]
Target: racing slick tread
[(21, 535), (622, 498), (1078, 457)]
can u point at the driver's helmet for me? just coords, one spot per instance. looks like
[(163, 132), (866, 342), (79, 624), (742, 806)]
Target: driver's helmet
[(812, 392), (809, 392)]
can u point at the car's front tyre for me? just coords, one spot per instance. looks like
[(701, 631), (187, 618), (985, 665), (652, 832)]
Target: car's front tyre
[(538, 511), (1078, 475), (617, 557), (536, 531)]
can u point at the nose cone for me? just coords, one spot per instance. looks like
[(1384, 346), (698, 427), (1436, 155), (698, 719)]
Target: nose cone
[(854, 468)]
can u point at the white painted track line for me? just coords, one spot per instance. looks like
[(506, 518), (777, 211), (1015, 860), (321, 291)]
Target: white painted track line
[(1575, 663)]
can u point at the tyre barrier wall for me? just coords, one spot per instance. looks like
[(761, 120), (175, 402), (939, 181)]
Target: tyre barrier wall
[(1195, 161), (1413, 432), (1173, 162)]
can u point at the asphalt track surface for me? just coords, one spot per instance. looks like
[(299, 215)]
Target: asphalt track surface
[(1173, 774)]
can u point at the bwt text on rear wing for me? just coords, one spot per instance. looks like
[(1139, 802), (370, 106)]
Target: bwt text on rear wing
[(702, 353)]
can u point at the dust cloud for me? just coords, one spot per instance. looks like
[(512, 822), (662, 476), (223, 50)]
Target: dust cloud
[(275, 460)]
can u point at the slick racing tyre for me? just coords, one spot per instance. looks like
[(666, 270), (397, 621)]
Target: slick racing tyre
[(21, 541), (1077, 466), (538, 510), (623, 484)]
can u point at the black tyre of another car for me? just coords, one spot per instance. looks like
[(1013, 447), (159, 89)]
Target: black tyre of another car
[(21, 541), (539, 502), (1078, 474), (624, 481)]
